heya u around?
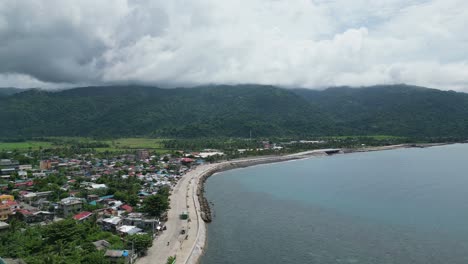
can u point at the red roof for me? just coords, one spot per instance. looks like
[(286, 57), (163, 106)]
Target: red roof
[(28, 183), (11, 203), (24, 211), (82, 215), (127, 208), (187, 160)]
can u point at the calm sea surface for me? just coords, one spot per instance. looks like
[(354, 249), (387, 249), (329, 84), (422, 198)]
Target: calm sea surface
[(399, 206)]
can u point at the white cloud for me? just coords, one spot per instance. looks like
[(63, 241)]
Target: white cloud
[(282, 42)]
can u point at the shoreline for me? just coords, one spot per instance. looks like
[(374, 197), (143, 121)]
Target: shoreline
[(189, 194)]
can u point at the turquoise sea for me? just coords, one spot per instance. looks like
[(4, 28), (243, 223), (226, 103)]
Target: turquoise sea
[(397, 206)]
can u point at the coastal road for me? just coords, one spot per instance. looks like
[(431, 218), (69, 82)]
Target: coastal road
[(183, 198), (189, 246)]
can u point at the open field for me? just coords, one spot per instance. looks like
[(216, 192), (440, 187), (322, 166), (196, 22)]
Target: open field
[(34, 145), (111, 145)]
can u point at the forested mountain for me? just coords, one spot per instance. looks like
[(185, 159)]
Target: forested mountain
[(234, 111), (394, 110), (5, 91)]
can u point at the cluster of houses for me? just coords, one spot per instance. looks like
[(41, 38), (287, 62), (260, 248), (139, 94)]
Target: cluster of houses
[(20, 200)]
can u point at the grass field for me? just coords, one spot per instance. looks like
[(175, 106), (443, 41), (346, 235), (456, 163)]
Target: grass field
[(114, 145), (34, 145)]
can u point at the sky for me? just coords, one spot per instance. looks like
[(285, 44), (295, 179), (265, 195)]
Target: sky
[(292, 43)]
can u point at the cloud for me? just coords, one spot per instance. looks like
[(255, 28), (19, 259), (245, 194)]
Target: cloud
[(303, 43)]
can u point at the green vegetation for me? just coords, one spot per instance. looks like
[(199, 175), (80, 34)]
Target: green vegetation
[(65, 241), (157, 204), (140, 242), (231, 112), (171, 260), (34, 145), (98, 145)]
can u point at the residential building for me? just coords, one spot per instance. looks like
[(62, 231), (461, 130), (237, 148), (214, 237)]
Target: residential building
[(82, 216), (5, 211), (25, 167), (120, 256), (4, 227), (6, 197), (70, 206), (45, 165), (143, 154)]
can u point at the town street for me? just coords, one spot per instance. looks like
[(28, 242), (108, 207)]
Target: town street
[(183, 198)]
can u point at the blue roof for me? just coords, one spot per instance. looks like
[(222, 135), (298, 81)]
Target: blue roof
[(106, 197), (92, 203)]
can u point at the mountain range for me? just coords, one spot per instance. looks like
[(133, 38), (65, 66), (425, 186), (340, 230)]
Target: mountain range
[(233, 111)]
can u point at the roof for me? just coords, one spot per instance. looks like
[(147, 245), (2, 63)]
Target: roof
[(4, 225), (127, 208), (98, 186), (113, 220), (82, 216), (129, 229), (24, 212), (101, 244), (187, 160), (11, 203), (71, 200), (115, 253)]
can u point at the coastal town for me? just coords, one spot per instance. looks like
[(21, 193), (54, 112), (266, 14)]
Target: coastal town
[(140, 207), (125, 195)]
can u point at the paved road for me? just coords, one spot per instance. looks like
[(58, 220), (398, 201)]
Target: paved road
[(183, 198)]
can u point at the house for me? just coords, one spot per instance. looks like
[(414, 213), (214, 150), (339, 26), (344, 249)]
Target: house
[(69, 206), (4, 226), (6, 197), (117, 256), (23, 174), (128, 230), (13, 205), (136, 219), (127, 208), (8, 171), (82, 216), (39, 175), (25, 167), (33, 217), (101, 244), (142, 154), (111, 224), (45, 165), (95, 186), (8, 163), (5, 212)]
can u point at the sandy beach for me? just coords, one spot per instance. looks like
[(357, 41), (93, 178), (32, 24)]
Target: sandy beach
[(188, 196)]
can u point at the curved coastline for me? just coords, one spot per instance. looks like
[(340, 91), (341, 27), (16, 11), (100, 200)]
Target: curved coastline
[(191, 190)]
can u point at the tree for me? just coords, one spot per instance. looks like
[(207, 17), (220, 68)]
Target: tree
[(155, 205), (171, 260), (141, 242)]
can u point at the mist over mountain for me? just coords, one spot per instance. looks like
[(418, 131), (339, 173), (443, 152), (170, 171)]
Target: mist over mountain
[(234, 111)]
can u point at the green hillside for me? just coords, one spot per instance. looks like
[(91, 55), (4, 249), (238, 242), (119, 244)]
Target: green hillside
[(234, 111)]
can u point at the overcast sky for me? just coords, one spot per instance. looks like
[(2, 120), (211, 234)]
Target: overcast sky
[(299, 43)]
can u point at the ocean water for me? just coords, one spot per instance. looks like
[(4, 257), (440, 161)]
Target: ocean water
[(398, 206)]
